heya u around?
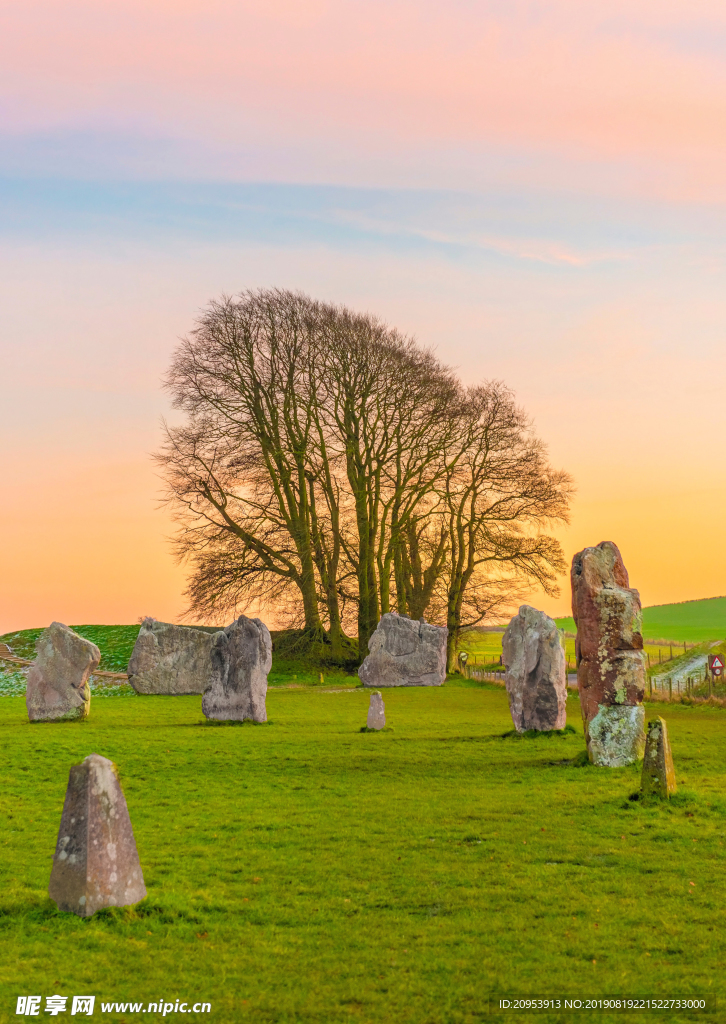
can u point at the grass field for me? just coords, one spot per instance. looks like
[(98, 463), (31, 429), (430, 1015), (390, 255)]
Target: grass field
[(692, 621), (484, 649), (303, 871)]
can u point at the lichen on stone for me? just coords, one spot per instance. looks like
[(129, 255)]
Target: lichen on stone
[(615, 736)]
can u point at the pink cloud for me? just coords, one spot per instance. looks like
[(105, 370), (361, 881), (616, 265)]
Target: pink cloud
[(607, 80)]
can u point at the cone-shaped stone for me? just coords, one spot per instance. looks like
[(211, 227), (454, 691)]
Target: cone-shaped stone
[(376, 712), (95, 864), (659, 775), (58, 687), (241, 659)]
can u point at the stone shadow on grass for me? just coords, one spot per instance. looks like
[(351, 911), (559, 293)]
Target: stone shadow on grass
[(535, 734)]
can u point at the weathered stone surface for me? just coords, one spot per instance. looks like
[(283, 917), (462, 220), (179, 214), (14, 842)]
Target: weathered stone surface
[(95, 864), (615, 735), (404, 652), (241, 659), (610, 659), (376, 712), (58, 687), (535, 671), (169, 659), (659, 776)]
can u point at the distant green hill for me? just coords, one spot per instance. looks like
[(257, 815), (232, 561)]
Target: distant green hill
[(693, 621), (114, 642)]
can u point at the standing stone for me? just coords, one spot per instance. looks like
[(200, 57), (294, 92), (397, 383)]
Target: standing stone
[(95, 864), (659, 776), (376, 712), (241, 659), (535, 678), (404, 652), (169, 659), (58, 687), (610, 658)]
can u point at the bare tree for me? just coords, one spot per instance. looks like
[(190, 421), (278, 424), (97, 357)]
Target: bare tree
[(475, 543), (500, 493), (239, 468), (329, 464), (388, 409)]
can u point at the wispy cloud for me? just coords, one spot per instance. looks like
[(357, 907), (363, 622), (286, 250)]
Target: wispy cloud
[(357, 91)]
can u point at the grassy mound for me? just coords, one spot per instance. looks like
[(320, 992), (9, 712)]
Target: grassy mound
[(114, 642), (297, 655)]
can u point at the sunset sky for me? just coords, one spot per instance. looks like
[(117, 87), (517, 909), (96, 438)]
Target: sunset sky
[(536, 189)]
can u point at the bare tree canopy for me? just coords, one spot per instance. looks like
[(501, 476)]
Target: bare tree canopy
[(333, 468)]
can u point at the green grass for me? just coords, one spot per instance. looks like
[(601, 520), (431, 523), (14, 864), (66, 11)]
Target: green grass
[(484, 649), (304, 871), (692, 621)]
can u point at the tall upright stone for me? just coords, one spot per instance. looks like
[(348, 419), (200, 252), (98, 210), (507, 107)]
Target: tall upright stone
[(58, 687), (659, 776), (171, 659), (376, 712), (405, 652), (95, 864), (610, 658), (535, 671), (241, 660)]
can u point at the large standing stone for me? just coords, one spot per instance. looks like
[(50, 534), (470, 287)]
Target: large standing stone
[(535, 678), (376, 712), (241, 659), (404, 652), (610, 659), (169, 659), (58, 687), (659, 776), (95, 864)]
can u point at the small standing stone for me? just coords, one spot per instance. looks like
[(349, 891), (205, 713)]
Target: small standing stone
[(241, 660), (376, 712), (659, 776), (95, 864), (58, 687), (535, 678)]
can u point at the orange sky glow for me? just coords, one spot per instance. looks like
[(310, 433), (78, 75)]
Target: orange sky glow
[(537, 189)]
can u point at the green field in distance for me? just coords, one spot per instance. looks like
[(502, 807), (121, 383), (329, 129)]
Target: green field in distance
[(693, 621)]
